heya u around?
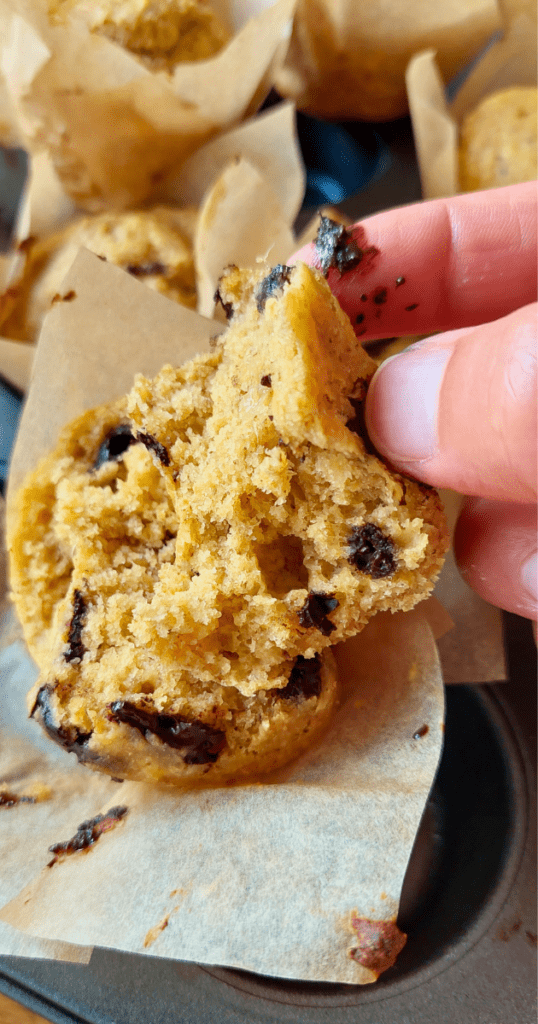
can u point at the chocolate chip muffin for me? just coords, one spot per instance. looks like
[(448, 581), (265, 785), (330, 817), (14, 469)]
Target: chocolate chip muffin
[(161, 33), (154, 245), (185, 558)]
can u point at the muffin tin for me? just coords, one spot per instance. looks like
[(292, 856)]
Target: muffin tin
[(469, 896)]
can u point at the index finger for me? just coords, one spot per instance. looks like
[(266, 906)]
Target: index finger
[(440, 265)]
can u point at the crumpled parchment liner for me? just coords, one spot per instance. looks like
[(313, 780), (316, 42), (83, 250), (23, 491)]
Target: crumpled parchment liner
[(248, 183), (267, 876), (509, 61), (262, 877), (241, 221), (348, 60), (118, 128)]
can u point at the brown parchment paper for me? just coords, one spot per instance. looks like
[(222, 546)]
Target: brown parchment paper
[(114, 128), (16, 362), (248, 184), (509, 61), (240, 221), (348, 60), (341, 821), (268, 141)]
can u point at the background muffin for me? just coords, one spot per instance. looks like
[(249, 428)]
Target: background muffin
[(498, 140), (153, 245)]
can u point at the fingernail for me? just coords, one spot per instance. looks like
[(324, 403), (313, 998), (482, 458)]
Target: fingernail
[(529, 577), (403, 401)]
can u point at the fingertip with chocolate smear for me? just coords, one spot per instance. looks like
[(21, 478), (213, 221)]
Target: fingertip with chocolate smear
[(342, 249)]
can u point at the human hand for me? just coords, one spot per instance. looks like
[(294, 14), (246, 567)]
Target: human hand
[(458, 409)]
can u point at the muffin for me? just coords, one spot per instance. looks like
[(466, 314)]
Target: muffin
[(154, 245), (186, 557), (498, 140)]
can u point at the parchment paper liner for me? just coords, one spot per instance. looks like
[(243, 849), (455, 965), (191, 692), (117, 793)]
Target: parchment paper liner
[(510, 61), (281, 866), (248, 183), (118, 128), (348, 60)]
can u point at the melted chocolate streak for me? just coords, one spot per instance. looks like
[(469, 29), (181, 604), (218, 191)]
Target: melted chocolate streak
[(88, 832), (199, 743), (75, 649)]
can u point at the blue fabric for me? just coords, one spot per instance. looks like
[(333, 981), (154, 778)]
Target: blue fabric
[(337, 165), (10, 411)]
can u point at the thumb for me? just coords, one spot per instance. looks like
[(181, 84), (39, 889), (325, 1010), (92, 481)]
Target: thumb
[(458, 410)]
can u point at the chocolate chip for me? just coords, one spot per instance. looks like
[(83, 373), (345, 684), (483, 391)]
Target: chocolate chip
[(304, 681), (315, 610), (371, 551), (67, 737), (336, 247), (275, 280), (198, 742), (114, 444), (359, 319), (146, 269), (88, 832), (266, 380), (227, 306), (75, 650), (423, 731), (154, 446), (380, 296)]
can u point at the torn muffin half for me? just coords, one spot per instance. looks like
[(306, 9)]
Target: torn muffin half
[(186, 557)]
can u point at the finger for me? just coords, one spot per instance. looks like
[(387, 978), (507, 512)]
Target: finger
[(459, 410), (496, 547), (440, 265)]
